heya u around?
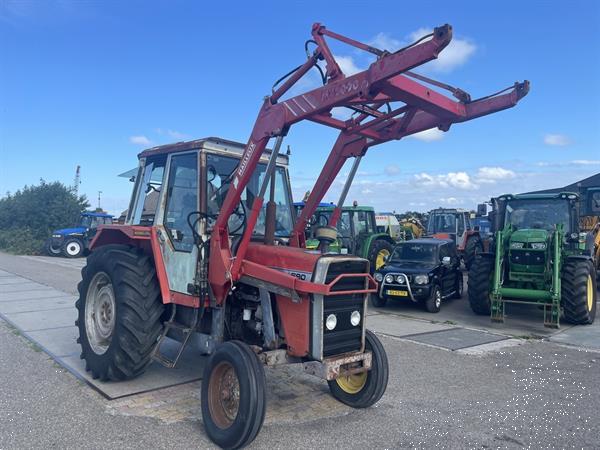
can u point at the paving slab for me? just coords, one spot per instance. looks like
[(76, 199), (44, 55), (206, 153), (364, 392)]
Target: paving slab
[(456, 338), (587, 336), (395, 325), (43, 320), (10, 280), (25, 286), (39, 293), (37, 304), (57, 342), (189, 368)]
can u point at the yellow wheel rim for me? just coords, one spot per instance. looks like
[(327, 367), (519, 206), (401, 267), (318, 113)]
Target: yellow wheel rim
[(380, 260), (590, 293), (352, 384)]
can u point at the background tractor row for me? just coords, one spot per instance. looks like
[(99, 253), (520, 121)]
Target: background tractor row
[(73, 242)]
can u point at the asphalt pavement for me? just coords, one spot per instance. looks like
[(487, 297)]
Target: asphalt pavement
[(535, 394)]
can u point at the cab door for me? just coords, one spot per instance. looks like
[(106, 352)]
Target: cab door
[(179, 199)]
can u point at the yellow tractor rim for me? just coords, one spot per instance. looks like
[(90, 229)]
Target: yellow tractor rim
[(590, 293), (352, 384), (380, 260)]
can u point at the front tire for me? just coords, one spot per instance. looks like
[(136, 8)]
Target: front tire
[(480, 277), (378, 253), (578, 292), (233, 397), (434, 302), (364, 389), (73, 248), (50, 249), (119, 312), (458, 289)]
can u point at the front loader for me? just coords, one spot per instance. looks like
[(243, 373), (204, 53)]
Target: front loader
[(220, 263), (539, 258)]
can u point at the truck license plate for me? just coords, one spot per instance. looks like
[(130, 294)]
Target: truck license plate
[(398, 293)]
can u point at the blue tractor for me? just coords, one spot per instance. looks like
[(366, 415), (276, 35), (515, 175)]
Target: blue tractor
[(73, 242)]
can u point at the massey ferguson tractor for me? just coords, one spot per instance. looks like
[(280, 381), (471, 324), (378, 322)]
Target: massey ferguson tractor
[(223, 265), (455, 224), (539, 258)]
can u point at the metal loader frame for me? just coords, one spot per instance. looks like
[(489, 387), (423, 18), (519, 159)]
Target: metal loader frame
[(369, 93)]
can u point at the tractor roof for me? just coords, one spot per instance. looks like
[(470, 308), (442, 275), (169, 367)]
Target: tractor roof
[(541, 196), (212, 144)]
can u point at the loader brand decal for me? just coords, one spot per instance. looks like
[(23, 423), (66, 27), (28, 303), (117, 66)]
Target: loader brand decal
[(244, 163), (304, 276), (344, 88)]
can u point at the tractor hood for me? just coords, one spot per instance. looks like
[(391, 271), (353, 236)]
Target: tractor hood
[(530, 235), (68, 231)]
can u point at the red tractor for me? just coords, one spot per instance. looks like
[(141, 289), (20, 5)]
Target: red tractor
[(217, 265), (455, 224)]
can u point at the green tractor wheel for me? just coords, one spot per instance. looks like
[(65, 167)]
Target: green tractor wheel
[(480, 277), (578, 286)]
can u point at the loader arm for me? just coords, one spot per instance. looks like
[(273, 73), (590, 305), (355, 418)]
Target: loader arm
[(388, 81)]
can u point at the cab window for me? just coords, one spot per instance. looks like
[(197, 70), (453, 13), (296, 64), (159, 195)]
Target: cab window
[(182, 200)]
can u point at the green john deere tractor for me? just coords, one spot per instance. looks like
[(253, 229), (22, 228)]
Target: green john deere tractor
[(538, 257), (357, 233)]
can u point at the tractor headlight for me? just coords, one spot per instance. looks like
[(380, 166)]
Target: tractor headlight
[(400, 279), (538, 245), (331, 322), (57, 235), (389, 279), (378, 277), (421, 279), (517, 244), (355, 318)]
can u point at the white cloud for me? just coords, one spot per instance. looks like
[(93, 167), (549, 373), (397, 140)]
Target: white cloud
[(458, 180), (140, 140), (454, 55), (559, 140), (451, 201), (493, 174), (383, 41), (433, 134), (392, 169), (347, 65), (586, 162)]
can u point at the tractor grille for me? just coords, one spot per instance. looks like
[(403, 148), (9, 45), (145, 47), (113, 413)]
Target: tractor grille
[(527, 257), (344, 337)]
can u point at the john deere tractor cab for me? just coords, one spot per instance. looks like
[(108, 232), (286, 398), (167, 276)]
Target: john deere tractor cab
[(455, 224), (539, 257), (357, 234)]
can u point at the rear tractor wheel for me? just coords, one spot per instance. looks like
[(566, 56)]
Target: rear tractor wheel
[(233, 396), (73, 248), (364, 389), (480, 277), (578, 291), (119, 312), (473, 247)]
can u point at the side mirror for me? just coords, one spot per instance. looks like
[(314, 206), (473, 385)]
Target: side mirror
[(446, 260)]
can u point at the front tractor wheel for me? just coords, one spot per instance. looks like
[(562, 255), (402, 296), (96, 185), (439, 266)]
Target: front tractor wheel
[(364, 389), (52, 249), (379, 252), (119, 312), (73, 248), (480, 277), (578, 290), (233, 399)]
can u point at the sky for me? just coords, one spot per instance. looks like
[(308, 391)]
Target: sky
[(92, 83)]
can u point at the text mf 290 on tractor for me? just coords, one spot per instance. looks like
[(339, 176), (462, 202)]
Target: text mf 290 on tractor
[(221, 264), (539, 257)]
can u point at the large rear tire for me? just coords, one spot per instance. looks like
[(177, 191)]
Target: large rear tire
[(578, 291), (73, 248), (120, 312), (364, 389), (378, 253), (473, 247), (479, 285), (233, 397)]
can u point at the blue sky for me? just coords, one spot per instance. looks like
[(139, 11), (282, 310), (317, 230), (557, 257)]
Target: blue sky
[(92, 83)]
